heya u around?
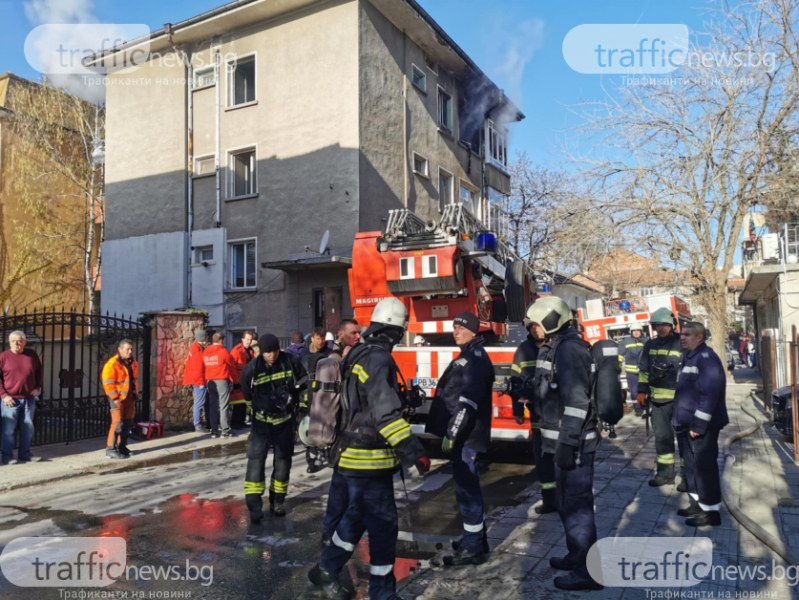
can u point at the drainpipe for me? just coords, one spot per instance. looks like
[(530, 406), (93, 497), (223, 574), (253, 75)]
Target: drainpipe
[(217, 141), (405, 155), (189, 166)]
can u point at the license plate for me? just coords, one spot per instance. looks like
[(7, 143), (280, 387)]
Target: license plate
[(427, 383)]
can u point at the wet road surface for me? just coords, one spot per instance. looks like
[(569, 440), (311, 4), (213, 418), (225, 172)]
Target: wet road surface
[(185, 515)]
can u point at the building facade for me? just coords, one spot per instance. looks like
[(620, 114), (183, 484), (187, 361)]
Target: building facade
[(257, 139)]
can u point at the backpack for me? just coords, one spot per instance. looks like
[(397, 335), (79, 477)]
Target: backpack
[(325, 405), (607, 391)]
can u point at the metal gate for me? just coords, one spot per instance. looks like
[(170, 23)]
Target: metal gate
[(73, 348)]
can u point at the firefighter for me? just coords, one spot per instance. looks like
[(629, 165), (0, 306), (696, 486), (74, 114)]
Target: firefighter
[(523, 393), (700, 413), (631, 347), (242, 353), (568, 430), (271, 386), (374, 439), (121, 383), (461, 416), (657, 380)]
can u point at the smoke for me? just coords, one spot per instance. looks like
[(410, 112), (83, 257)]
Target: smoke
[(40, 12), (519, 42)]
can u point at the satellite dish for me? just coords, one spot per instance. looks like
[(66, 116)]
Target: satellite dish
[(325, 239)]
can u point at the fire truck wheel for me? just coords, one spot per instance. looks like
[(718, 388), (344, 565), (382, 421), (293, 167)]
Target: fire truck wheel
[(515, 279)]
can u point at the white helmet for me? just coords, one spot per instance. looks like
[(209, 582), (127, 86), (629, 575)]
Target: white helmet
[(329, 337), (636, 327), (551, 312), (390, 311), (302, 430), (419, 340)]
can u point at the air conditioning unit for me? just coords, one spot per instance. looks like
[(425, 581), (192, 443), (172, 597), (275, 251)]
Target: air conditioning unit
[(770, 246)]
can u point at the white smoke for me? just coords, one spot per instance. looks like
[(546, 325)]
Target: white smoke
[(40, 12), (518, 43)]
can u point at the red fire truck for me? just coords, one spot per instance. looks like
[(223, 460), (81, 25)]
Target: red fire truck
[(438, 270), (612, 318)]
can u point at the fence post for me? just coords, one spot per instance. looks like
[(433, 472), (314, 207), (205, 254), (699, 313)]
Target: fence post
[(145, 388), (70, 388)]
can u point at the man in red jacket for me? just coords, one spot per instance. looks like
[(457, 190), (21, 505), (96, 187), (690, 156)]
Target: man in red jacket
[(194, 375), (219, 372), (21, 378), (242, 353)]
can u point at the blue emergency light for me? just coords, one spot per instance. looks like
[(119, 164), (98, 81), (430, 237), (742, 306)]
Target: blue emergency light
[(486, 242)]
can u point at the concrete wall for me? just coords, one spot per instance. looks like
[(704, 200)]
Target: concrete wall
[(777, 309), (143, 273), (208, 280)]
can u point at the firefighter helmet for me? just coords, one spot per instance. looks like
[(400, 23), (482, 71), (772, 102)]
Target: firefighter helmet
[(636, 327), (390, 311), (663, 316), (302, 430), (551, 312)]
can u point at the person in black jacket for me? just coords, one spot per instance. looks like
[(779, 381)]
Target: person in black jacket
[(373, 440), (271, 384), (461, 416), (568, 431)]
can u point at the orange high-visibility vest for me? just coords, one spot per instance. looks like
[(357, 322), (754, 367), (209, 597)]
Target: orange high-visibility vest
[(116, 379)]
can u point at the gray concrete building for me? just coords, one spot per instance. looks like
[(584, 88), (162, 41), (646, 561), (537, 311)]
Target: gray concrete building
[(253, 141)]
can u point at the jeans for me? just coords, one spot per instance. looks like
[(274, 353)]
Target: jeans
[(200, 394), (20, 416)]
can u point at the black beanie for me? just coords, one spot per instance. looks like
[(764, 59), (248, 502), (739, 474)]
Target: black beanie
[(268, 343), (469, 321)]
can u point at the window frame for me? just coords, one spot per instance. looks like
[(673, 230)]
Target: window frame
[(414, 70), (196, 74), (426, 173), (426, 270), (411, 270), (230, 74), (463, 185), (442, 171), (198, 159), (198, 260), (448, 127), (231, 276), (496, 135), (230, 185)]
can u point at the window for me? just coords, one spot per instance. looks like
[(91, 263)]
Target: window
[(647, 291), (497, 151), (203, 254), (444, 189), (241, 81), (444, 110), (242, 174), (468, 198), (429, 266), (407, 270), (420, 165), (204, 165), (242, 264), (419, 78), (204, 77)]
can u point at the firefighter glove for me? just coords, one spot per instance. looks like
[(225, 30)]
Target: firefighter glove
[(565, 456), (422, 464), (641, 399), (446, 445)]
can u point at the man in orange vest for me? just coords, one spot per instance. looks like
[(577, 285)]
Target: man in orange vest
[(120, 382), (241, 354), (219, 372), (194, 375)]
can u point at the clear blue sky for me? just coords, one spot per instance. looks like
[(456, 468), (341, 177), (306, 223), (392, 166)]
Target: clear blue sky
[(518, 43)]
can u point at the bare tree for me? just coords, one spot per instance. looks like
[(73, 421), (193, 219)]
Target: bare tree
[(56, 188), (553, 223), (691, 156)]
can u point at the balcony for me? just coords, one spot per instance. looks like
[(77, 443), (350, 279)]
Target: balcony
[(767, 257)]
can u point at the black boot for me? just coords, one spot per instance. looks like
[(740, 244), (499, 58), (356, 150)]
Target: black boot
[(664, 476), (255, 505), (550, 503), (705, 518), (562, 563), (328, 584), (692, 509), (465, 557), (456, 544), (277, 504), (683, 485), (576, 581)]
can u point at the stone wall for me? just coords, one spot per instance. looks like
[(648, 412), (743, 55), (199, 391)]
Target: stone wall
[(173, 335)]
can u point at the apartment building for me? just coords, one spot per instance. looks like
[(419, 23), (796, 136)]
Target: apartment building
[(256, 139)]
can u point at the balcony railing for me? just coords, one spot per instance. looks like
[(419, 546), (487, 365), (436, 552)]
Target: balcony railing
[(779, 247)]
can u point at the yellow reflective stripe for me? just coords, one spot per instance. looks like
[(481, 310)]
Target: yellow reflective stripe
[(396, 431), (662, 394), (361, 373), (535, 425), (665, 459), (279, 487), (549, 485), (254, 487), (266, 378), (665, 352), (528, 363), (233, 402), (271, 420), (365, 459), (515, 368), (643, 377), (631, 368)]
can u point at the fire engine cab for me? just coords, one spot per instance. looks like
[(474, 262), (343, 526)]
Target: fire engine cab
[(438, 270), (612, 318)]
